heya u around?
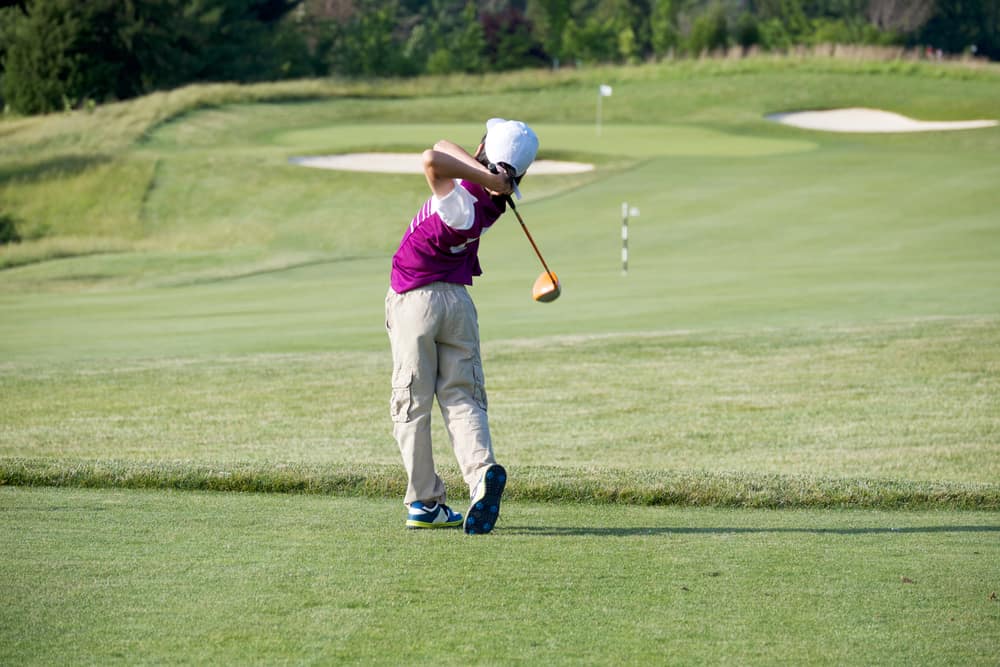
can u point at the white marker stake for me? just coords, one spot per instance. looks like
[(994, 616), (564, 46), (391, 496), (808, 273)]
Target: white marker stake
[(625, 210)]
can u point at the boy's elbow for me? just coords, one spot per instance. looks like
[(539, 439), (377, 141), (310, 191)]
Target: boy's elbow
[(429, 158)]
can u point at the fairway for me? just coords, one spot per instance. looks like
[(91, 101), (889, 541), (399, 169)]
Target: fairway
[(98, 577), (774, 440)]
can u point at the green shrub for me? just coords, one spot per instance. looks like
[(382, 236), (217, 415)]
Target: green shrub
[(709, 32), (664, 35), (747, 31), (8, 230)]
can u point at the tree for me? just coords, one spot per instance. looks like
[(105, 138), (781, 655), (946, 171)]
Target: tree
[(848, 10), (905, 16), (20, 4), (549, 19), (958, 25), (471, 43), (747, 31), (64, 51), (225, 40), (628, 20), (510, 42), (442, 36), (594, 41), (663, 27), (790, 14), (628, 49), (709, 32), (365, 46)]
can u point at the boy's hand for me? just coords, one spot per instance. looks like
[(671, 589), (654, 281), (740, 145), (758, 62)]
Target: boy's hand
[(503, 181)]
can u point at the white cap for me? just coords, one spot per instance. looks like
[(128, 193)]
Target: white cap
[(511, 142)]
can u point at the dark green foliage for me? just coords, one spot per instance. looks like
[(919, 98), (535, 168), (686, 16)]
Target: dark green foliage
[(664, 35), (183, 41), (365, 45), (747, 32), (58, 54), (65, 52), (959, 25), (8, 230), (509, 41), (788, 14), (591, 41), (709, 32), (549, 18)]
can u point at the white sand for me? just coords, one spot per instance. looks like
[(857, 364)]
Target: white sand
[(409, 163), (870, 120)]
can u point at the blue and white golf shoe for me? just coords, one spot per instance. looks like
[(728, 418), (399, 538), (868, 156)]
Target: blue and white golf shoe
[(485, 507), (433, 515)]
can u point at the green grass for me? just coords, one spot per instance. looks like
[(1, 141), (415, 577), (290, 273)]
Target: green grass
[(905, 400), (121, 154), (124, 577), (809, 322), (564, 483)]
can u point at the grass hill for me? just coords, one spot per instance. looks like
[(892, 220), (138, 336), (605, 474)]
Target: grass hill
[(798, 303), (774, 441)]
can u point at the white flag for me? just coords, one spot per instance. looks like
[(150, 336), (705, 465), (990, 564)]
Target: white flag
[(605, 90)]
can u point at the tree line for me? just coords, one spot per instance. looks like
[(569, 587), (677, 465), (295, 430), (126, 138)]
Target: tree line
[(57, 54)]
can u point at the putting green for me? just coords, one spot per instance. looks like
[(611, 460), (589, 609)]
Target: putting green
[(639, 141)]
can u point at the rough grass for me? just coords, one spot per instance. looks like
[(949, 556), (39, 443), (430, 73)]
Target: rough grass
[(905, 400), (530, 484)]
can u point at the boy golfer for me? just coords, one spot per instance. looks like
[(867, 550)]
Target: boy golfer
[(433, 326)]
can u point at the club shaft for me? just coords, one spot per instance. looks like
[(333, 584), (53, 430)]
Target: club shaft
[(531, 240)]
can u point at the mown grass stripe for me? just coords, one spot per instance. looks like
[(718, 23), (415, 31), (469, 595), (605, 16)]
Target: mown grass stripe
[(535, 483)]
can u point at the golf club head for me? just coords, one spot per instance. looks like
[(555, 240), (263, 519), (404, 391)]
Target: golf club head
[(546, 288)]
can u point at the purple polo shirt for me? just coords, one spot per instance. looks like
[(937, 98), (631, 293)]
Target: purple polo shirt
[(432, 251)]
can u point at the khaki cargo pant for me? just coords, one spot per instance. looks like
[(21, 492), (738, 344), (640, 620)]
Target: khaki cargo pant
[(434, 333)]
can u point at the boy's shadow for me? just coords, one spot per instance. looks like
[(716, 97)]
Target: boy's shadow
[(576, 531)]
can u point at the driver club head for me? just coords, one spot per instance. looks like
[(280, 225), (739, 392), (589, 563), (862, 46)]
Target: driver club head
[(546, 287)]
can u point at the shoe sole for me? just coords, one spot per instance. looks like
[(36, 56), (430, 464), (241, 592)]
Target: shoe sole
[(410, 523), (483, 512)]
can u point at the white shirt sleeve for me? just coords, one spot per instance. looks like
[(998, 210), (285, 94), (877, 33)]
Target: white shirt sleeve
[(456, 209)]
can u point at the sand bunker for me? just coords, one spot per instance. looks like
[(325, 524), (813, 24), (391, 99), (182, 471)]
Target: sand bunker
[(410, 163), (870, 120)]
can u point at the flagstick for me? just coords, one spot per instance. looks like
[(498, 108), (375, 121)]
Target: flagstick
[(600, 96), (603, 90)]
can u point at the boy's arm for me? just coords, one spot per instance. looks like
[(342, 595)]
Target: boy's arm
[(458, 152), (448, 161)]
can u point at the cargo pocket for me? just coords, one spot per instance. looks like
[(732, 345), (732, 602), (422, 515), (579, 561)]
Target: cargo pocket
[(479, 386), (402, 394)]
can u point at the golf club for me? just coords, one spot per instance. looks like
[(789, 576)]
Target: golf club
[(546, 287)]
